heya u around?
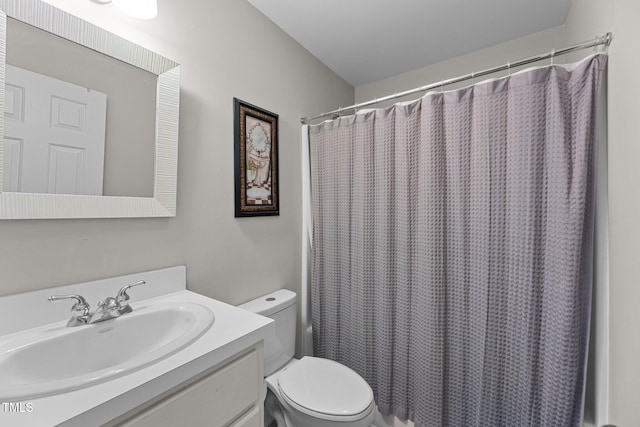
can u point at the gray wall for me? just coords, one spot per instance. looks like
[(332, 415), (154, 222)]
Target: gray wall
[(587, 18), (524, 47), (227, 49)]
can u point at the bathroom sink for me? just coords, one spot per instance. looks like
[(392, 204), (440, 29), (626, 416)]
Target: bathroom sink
[(53, 359)]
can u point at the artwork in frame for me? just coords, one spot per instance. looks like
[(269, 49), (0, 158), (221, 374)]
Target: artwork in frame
[(256, 160)]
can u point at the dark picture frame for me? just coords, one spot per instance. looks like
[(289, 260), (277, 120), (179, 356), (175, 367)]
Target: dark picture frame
[(256, 160)]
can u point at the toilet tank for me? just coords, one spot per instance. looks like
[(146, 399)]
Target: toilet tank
[(279, 346)]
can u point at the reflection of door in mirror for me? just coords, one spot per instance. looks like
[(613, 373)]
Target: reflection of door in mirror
[(54, 135), (129, 153)]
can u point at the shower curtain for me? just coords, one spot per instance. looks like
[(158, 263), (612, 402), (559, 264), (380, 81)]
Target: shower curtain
[(452, 248)]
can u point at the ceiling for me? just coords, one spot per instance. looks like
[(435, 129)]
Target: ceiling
[(368, 40)]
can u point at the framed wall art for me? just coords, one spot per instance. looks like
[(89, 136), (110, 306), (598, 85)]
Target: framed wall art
[(256, 160)]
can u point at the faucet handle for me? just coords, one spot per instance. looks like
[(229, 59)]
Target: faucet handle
[(79, 310), (123, 297)]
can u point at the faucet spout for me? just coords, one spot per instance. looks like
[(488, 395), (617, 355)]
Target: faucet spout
[(107, 309)]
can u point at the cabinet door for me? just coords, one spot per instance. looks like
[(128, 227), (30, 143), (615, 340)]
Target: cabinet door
[(216, 400), (253, 419)]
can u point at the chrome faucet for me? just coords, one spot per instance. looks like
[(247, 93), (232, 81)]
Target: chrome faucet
[(110, 308)]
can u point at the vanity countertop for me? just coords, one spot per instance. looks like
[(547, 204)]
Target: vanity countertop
[(234, 329)]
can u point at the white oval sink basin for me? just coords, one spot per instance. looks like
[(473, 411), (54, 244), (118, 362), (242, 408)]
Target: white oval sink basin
[(50, 360)]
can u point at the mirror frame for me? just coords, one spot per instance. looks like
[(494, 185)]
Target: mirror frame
[(40, 206)]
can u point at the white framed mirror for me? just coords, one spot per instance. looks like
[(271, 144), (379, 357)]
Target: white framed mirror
[(155, 119)]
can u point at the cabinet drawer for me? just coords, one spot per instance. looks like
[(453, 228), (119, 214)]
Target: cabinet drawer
[(214, 400)]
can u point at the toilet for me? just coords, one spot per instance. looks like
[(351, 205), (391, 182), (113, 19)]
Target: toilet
[(310, 392)]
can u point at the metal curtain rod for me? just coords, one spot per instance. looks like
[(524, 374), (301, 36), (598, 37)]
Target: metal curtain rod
[(604, 40)]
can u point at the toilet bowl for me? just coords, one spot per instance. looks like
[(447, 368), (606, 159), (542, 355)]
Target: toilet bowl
[(310, 392), (315, 392)]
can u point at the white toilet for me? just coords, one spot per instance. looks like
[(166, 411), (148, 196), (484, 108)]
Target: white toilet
[(310, 392)]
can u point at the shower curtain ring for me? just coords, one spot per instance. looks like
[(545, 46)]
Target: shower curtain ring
[(553, 54), (509, 69)]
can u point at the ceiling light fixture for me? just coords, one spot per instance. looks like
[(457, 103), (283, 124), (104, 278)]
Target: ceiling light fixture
[(142, 9)]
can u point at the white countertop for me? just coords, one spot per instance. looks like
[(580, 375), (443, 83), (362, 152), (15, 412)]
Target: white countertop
[(234, 330)]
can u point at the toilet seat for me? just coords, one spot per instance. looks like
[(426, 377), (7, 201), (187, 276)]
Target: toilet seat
[(325, 389)]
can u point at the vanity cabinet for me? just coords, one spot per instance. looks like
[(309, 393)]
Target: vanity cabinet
[(229, 394)]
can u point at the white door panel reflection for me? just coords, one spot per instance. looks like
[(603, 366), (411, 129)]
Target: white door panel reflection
[(60, 128)]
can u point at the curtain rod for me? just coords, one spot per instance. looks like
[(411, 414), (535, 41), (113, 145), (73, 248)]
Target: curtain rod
[(604, 40)]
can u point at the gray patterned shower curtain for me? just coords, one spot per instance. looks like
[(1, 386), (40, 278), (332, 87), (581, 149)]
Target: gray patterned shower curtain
[(452, 248)]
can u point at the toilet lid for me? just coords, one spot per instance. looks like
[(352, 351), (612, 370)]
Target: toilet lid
[(326, 387)]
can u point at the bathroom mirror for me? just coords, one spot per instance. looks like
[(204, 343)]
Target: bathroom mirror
[(139, 177)]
